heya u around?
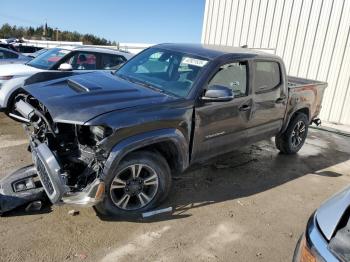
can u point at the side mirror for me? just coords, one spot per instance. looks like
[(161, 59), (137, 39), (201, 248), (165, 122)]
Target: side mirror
[(217, 93), (65, 67)]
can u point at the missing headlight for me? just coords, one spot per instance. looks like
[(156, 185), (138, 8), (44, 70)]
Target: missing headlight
[(90, 135), (100, 132)]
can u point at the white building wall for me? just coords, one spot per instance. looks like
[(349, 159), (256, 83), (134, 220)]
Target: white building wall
[(312, 36)]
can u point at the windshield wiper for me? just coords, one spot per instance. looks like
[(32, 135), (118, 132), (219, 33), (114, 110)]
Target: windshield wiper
[(139, 82), (151, 86)]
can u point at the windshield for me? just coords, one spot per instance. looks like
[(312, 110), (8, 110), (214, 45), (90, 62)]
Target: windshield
[(48, 58), (167, 71)]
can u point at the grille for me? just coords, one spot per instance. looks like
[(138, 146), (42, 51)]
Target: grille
[(44, 176), (49, 172)]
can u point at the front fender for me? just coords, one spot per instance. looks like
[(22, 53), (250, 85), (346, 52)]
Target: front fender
[(8, 89), (146, 139)]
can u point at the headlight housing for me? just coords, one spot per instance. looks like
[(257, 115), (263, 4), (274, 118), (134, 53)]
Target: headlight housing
[(100, 132), (305, 253), (92, 135)]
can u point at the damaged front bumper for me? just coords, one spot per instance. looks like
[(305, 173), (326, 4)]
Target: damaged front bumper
[(54, 182), (15, 192), (20, 188), (90, 196)]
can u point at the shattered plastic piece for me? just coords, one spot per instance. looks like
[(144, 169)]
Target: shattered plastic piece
[(239, 202), (9, 199), (81, 256), (73, 212), (34, 206), (156, 212)]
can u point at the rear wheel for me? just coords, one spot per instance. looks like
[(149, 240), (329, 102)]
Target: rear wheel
[(292, 140), (140, 182)]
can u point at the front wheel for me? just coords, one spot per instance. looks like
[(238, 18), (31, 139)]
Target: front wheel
[(140, 182), (291, 141)]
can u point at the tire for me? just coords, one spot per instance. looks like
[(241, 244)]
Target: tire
[(122, 184), (292, 140)]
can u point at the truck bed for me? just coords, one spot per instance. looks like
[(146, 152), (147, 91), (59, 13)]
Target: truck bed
[(306, 91), (298, 82)]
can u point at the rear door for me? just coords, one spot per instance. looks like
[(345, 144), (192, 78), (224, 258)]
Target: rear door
[(111, 61), (269, 99)]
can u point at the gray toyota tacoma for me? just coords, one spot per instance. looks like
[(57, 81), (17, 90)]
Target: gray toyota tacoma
[(113, 141)]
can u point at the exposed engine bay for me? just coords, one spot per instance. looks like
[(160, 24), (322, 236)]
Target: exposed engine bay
[(67, 157)]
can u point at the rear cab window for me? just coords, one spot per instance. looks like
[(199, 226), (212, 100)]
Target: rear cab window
[(267, 76)]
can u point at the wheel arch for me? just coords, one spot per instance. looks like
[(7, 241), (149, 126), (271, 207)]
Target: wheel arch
[(303, 109), (170, 143), (12, 96), (10, 89)]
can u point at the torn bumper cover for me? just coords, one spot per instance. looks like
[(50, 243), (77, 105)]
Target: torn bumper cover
[(19, 188), (44, 179), (54, 181)]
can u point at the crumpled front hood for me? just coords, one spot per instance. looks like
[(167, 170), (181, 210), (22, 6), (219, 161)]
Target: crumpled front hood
[(18, 70), (330, 213), (80, 98)]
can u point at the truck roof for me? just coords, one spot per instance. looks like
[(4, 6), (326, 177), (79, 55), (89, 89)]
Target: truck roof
[(215, 51)]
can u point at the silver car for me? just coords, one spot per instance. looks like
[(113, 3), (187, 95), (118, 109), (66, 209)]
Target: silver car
[(67, 58), (327, 235), (11, 57)]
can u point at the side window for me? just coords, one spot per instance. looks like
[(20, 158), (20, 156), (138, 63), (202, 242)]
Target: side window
[(234, 76), (110, 62), (82, 61), (10, 55), (267, 76)]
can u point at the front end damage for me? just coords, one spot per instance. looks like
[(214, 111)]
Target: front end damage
[(68, 158)]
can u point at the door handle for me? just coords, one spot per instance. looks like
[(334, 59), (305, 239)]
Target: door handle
[(244, 108), (280, 100)]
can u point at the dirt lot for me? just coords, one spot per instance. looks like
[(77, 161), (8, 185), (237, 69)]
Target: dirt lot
[(250, 205)]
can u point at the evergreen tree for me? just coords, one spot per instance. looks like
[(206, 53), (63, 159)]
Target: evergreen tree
[(8, 31)]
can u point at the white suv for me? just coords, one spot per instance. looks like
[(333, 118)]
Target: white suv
[(12, 76)]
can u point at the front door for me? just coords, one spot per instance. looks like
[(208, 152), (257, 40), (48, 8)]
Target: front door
[(220, 125)]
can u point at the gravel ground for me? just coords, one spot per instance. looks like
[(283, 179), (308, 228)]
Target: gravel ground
[(250, 205)]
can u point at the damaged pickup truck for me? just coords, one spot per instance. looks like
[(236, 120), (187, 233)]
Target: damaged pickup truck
[(114, 140)]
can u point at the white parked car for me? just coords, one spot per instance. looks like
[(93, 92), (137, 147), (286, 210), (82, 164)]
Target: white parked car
[(12, 76), (11, 57)]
